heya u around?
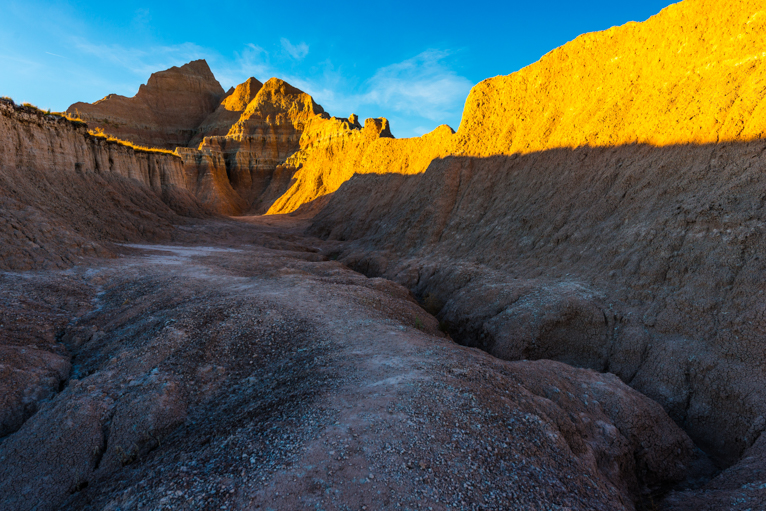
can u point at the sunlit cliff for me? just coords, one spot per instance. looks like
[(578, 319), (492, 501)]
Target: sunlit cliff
[(694, 73)]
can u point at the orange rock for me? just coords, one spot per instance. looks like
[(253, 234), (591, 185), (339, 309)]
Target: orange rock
[(369, 150), (694, 73), (228, 112), (267, 132)]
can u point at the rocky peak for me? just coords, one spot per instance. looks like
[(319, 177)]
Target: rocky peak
[(277, 96), (239, 98), (231, 107), (165, 112), (377, 128), (195, 77)]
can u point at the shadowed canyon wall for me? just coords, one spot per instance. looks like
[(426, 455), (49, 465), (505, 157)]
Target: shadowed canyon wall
[(641, 261), (63, 191)]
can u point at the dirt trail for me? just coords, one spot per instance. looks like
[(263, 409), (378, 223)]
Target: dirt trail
[(241, 368)]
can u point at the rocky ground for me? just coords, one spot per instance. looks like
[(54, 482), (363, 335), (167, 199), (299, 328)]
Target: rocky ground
[(241, 367)]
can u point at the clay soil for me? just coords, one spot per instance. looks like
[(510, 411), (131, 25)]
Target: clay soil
[(239, 366)]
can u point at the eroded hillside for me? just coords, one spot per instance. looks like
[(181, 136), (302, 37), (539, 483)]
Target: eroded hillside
[(67, 194), (602, 208)]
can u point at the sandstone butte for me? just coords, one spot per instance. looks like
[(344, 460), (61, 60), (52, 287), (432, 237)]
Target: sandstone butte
[(164, 113)]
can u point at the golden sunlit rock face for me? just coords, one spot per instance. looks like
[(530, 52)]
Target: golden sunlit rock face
[(240, 170), (333, 151), (228, 112), (694, 73)]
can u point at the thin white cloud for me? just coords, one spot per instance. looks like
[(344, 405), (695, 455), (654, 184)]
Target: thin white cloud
[(423, 85), (142, 62), (296, 51)]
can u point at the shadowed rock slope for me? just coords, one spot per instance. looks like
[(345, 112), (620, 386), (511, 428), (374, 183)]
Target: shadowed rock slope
[(603, 207), (65, 194), (218, 373)]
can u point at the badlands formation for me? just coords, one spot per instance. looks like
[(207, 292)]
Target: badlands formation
[(558, 306)]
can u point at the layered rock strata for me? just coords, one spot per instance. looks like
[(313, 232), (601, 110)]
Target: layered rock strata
[(62, 191), (267, 132), (234, 146), (41, 142), (649, 132), (229, 111), (252, 166)]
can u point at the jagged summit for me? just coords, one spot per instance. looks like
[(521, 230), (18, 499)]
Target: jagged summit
[(229, 111), (279, 97), (194, 76), (240, 97)]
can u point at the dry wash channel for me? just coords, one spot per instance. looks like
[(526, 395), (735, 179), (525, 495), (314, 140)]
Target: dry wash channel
[(240, 368)]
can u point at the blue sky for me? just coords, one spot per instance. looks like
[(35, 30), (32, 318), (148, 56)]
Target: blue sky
[(412, 62)]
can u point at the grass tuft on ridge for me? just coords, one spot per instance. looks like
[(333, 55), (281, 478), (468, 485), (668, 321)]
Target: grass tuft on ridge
[(99, 133)]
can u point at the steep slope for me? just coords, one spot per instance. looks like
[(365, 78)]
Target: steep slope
[(232, 106), (602, 207), (63, 192), (333, 150), (166, 112), (694, 73), (684, 76)]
